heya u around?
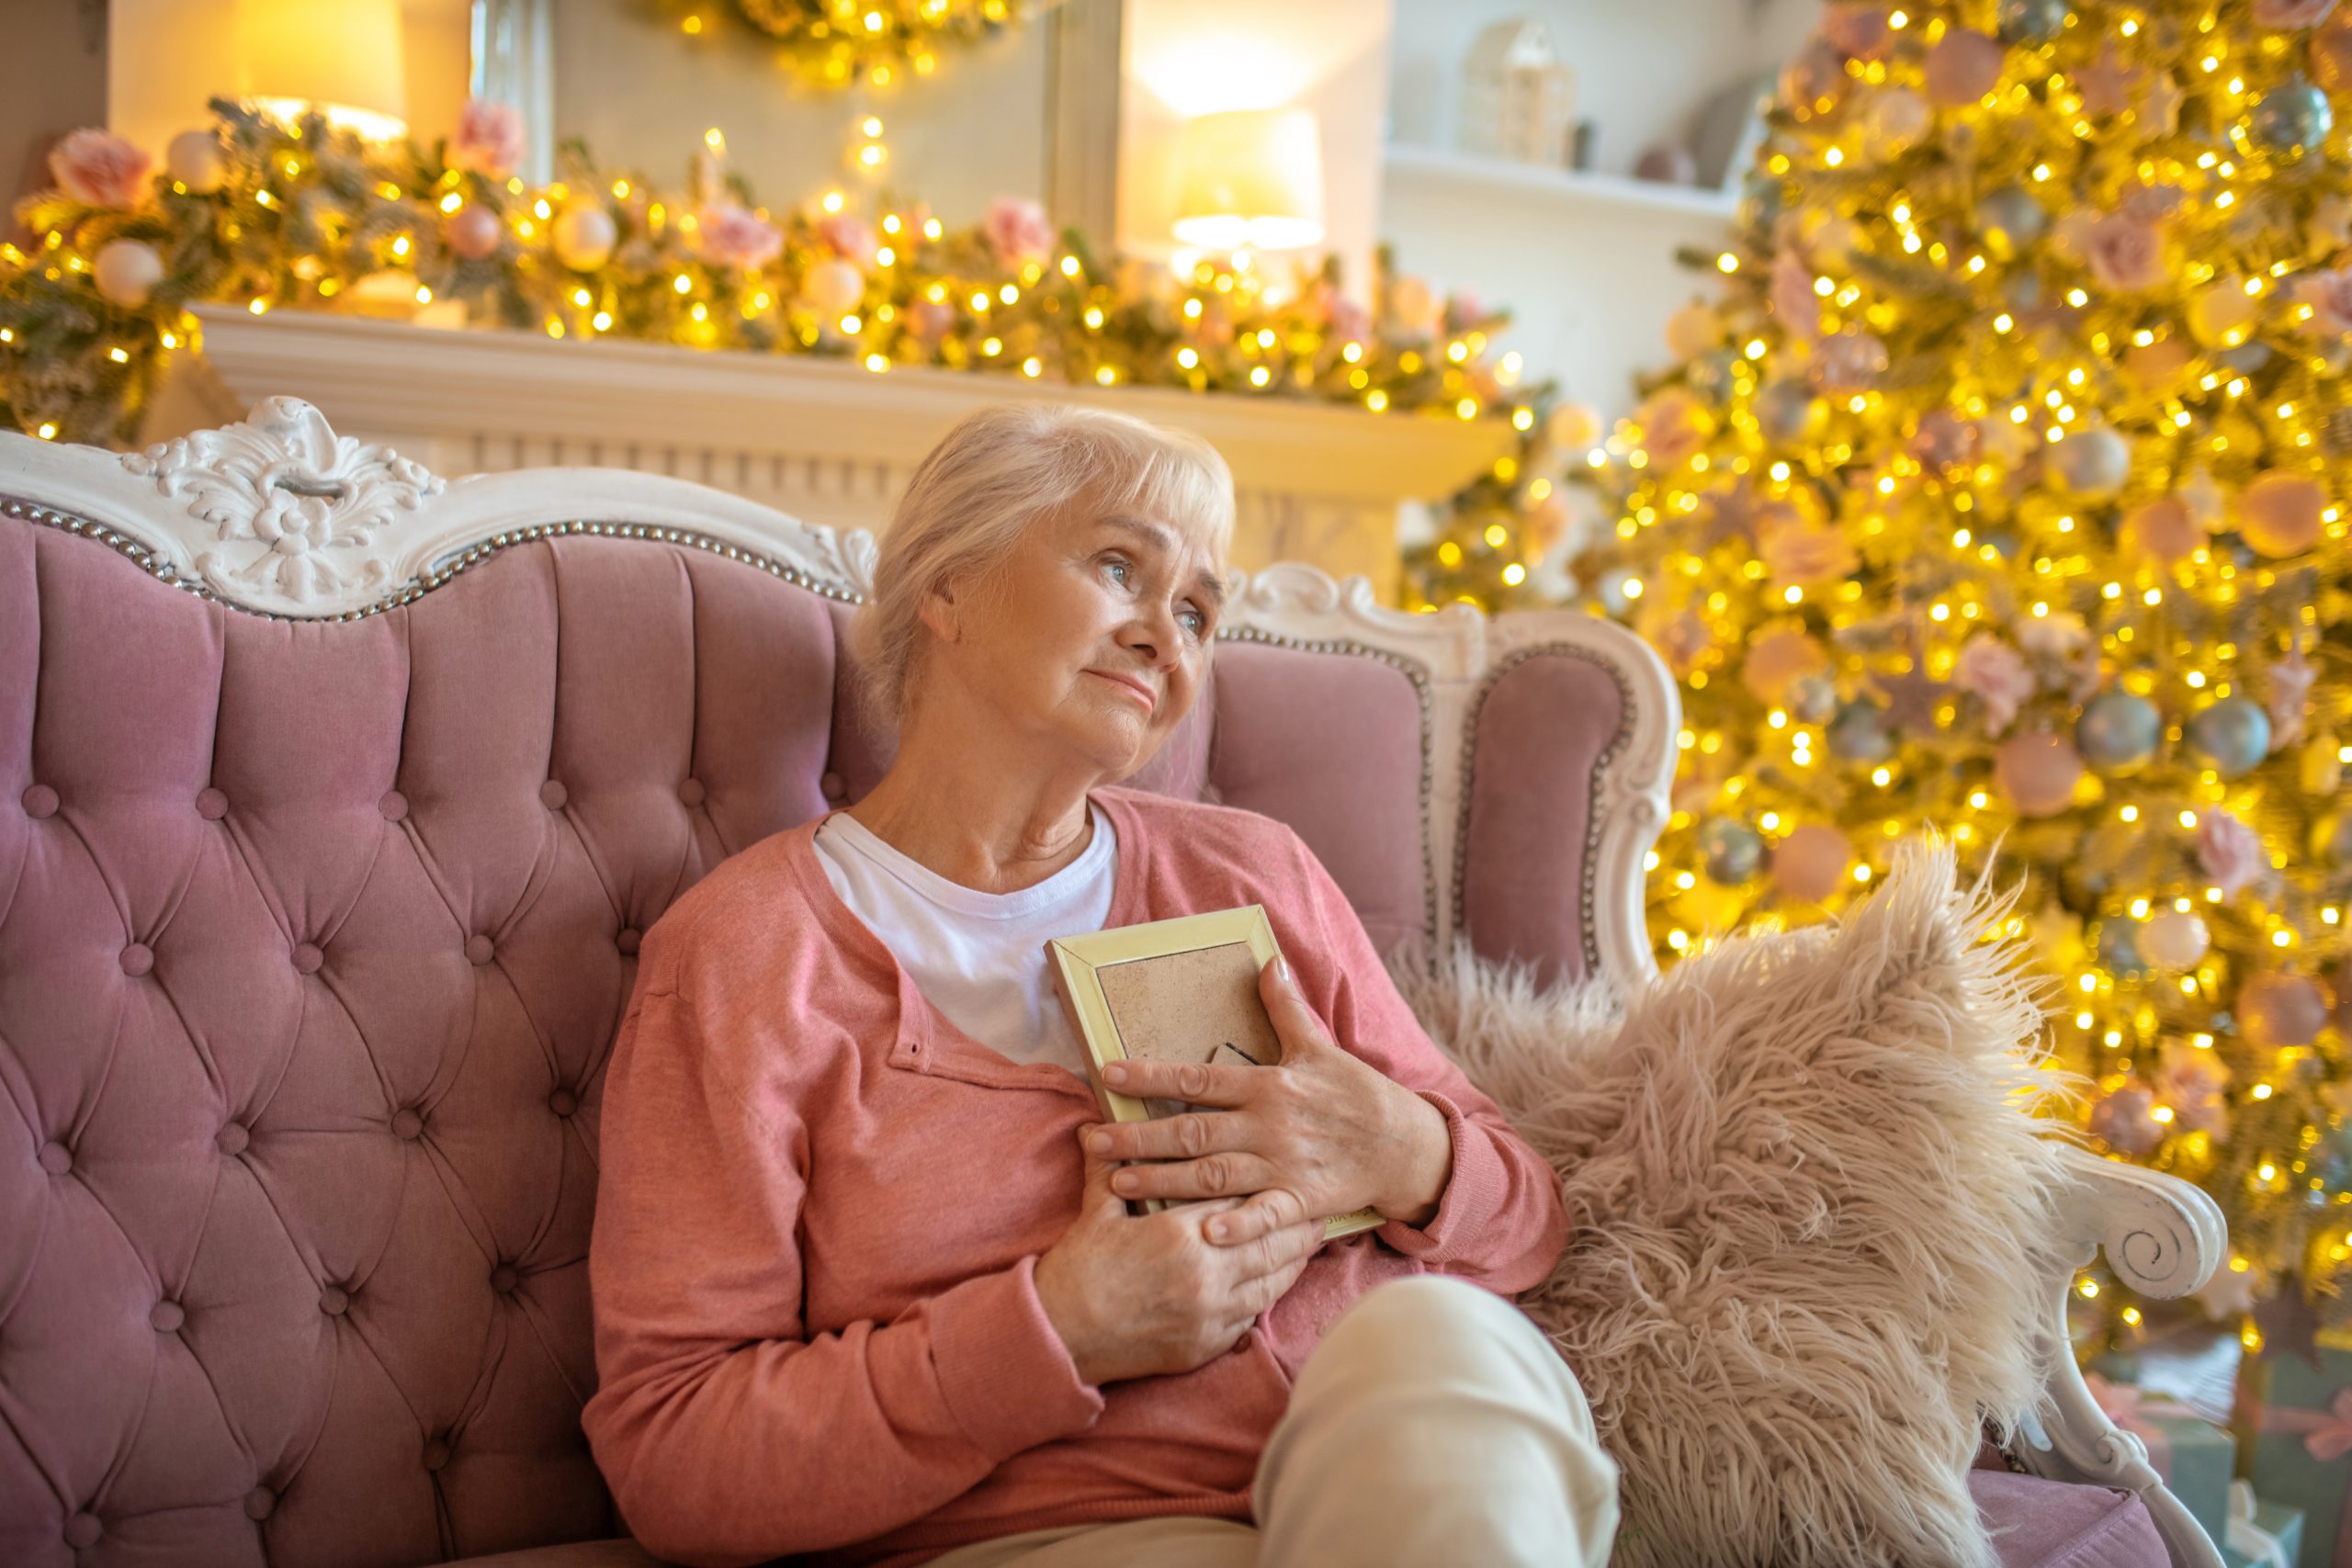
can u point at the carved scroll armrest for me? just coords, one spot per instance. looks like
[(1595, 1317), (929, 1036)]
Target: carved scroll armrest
[(2162, 1238)]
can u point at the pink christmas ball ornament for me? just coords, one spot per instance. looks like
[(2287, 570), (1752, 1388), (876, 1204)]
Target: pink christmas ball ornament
[(2161, 530), (1810, 863), (732, 235), (98, 168), (833, 288), (1964, 67), (2281, 514), (474, 231), (2280, 1009), (847, 236), (2123, 1119), (2036, 774)]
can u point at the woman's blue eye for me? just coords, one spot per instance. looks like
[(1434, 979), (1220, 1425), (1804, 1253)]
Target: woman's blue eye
[(1119, 565)]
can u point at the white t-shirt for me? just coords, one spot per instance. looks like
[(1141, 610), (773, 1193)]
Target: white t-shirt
[(977, 958)]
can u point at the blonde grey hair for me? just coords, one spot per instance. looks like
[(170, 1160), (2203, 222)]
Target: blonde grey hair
[(1001, 469)]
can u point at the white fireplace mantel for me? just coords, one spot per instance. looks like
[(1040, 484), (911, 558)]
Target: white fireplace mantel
[(825, 440)]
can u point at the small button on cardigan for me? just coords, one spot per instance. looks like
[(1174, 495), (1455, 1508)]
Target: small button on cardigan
[(821, 1206)]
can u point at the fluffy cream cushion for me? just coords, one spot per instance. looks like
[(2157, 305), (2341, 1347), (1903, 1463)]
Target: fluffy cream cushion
[(1813, 1219)]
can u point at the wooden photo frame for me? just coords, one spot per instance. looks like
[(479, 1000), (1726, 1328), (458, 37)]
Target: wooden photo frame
[(1177, 990)]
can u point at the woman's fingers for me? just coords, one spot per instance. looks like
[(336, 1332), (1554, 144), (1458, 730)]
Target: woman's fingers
[(1265, 1211), (1186, 1136), (1212, 1176)]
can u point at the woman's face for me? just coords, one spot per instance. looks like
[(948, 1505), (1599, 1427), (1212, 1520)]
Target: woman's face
[(1093, 637)]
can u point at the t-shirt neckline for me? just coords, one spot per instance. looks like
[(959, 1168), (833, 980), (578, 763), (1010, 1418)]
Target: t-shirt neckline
[(973, 901)]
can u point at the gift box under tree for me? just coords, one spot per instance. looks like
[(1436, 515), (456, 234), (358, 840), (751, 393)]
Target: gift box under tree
[(2294, 1425), (2194, 1456)]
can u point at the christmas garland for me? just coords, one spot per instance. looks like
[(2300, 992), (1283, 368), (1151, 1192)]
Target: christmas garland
[(834, 43), (309, 217)]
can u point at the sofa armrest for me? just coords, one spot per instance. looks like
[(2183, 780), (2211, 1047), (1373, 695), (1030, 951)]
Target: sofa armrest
[(2162, 1238)]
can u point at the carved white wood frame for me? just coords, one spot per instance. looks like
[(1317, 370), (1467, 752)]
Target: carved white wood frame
[(280, 516)]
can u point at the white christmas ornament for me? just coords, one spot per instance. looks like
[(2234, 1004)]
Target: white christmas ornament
[(126, 271), (1693, 330), (193, 158), (584, 237), (833, 286), (2174, 939)]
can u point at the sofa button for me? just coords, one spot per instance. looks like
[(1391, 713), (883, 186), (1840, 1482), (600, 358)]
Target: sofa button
[(479, 949), (166, 1317), (55, 1158), (690, 792), (835, 787), (504, 1279), (231, 1139), (392, 805), (552, 795), (137, 959), (259, 1502), (406, 1123), (563, 1102), (307, 958), (628, 940), (334, 1300), (39, 800), (81, 1531), (436, 1454), (211, 804)]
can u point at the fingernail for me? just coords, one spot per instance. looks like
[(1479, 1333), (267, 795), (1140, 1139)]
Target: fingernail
[(1115, 1072), (1126, 1181), (1219, 1229), (1282, 967), (1098, 1143)]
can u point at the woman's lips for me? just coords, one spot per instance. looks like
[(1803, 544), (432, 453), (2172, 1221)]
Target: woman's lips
[(1142, 691)]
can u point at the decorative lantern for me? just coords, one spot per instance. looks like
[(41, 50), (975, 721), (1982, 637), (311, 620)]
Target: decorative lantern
[(1517, 100)]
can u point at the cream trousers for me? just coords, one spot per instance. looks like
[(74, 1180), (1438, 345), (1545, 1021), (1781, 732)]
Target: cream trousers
[(1433, 1424)]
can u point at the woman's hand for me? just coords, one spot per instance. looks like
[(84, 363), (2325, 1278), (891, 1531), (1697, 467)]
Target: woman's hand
[(1322, 1133), (1138, 1297)]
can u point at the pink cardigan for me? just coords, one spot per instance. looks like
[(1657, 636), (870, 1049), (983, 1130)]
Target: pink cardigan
[(821, 1209)]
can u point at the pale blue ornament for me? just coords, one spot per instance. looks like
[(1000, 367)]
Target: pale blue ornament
[(2118, 732), (2011, 220), (2093, 462), (2233, 733), (1783, 409), (2118, 946), (1731, 851), (2032, 22), (2293, 117), (1859, 733), (1813, 697)]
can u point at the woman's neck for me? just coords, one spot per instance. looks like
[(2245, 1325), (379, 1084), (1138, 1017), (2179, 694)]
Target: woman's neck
[(993, 829)]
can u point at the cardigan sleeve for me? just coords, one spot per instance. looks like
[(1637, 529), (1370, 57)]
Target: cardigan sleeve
[(1501, 1221), (727, 1433)]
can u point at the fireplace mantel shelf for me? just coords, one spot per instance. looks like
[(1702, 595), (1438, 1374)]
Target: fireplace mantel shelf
[(824, 439)]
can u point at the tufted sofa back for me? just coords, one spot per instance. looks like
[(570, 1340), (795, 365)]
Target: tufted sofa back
[(313, 939)]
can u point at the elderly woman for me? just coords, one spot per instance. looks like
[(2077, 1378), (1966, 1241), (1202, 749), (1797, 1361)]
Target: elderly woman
[(865, 1282)]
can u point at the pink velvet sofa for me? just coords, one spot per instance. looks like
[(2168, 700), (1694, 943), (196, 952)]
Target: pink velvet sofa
[(335, 802)]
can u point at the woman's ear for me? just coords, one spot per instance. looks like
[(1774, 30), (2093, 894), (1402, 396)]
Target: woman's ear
[(938, 612)]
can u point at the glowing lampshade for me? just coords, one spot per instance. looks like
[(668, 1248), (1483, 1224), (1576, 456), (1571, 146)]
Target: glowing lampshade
[(1250, 178), (343, 60)]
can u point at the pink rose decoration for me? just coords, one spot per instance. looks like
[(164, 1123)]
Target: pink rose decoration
[(2292, 13), (846, 236), (2126, 257), (1349, 321), (2191, 1084), (98, 168), (930, 318), (1799, 554), (1674, 426), (2290, 694), (1848, 362), (488, 140), (1017, 229), (1793, 299), (2329, 294), (2230, 852), (2121, 1120), (1991, 670), (733, 235), (1866, 32)]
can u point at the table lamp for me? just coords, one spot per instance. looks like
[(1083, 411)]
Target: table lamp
[(1250, 179), (344, 61)]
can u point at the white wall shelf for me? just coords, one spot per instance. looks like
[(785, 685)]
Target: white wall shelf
[(1503, 176)]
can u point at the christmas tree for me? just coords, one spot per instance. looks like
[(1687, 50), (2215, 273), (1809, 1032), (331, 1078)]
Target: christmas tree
[(1997, 488)]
